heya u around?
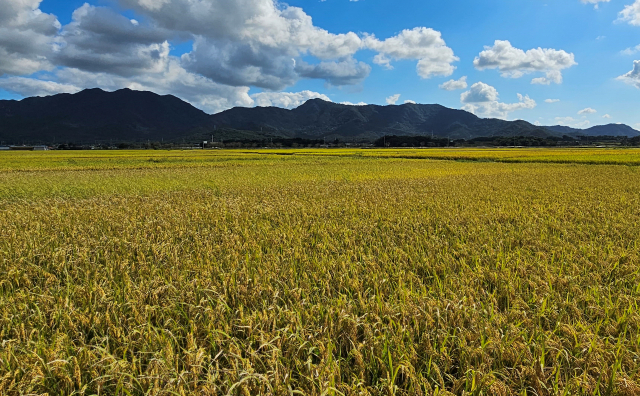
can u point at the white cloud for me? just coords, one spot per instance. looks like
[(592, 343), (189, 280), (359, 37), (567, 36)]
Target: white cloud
[(480, 93), (594, 2), (552, 100), (256, 42), (572, 122), (391, 100), (588, 110), (265, 24), (287, 100), (631, 50), (453, 85), (27, 37), (631, 14), (482, 99), (409, 102), (633, 77), (607, 116), (236, 43), (422, 44), (32, 87), (515, 63), (100, 40), (354, 104)]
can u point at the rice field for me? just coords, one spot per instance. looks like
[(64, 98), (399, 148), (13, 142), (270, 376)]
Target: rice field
[(320, 272)]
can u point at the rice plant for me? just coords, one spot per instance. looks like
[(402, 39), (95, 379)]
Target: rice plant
[(346, 272)]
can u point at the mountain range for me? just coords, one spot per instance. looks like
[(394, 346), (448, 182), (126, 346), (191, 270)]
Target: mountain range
[(598, 130), (125, 115)]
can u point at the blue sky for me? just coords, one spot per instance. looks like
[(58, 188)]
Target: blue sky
[(218, 54)]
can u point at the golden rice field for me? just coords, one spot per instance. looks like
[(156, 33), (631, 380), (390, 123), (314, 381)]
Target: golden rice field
[(320, 272)]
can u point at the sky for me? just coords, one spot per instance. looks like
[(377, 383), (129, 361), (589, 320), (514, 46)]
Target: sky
[(553, 62)]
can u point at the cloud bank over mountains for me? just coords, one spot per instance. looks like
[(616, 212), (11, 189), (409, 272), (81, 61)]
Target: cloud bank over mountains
[(236, 45)]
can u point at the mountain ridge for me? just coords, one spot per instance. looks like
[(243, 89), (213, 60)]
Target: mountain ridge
[(96, 114), (128, 115), (597, 130)]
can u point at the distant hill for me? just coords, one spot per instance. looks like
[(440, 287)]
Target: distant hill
[(126, 115), (94, 114), (318, 118), (598, 130)]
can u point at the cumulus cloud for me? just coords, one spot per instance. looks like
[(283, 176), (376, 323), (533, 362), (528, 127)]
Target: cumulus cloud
[(633, 77), (515, 63), (572, 122), (552, 100), (240, 64), (354, 104), (27, 37), (256, 42), (453, 85), (287, 100), (425, 45), (483, 100), (594, 2), (607, 116), (393, 99), (33, 87), (100, 40), (631, 14), (480, 93), (588, 110), (409, 102), (264, 23)]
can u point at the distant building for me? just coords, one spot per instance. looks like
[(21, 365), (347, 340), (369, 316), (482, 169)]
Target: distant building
[(40, 148), (5, 148)]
